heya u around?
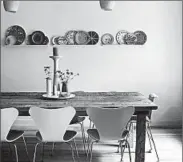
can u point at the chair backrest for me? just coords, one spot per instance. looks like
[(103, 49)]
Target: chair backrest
[(8, 117), (110, 122), (52, 123)]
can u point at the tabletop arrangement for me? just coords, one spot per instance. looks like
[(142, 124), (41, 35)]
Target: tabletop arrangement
[(58, 87)]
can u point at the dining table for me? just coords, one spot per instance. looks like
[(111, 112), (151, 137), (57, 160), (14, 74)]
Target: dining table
[(82, 100)]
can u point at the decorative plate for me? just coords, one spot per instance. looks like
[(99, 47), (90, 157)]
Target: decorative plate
[(81, 38), (130, 38), (94, 38), (18, 32), (61, 40), (141, 37), (120, 36), (58, 97), (37, 38), (70, 36), (107, 39)]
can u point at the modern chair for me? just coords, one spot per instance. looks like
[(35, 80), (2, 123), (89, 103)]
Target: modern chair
[(8, 117), (133, 120), (110, 124), (80, 120), (77, 120), (52, 125)]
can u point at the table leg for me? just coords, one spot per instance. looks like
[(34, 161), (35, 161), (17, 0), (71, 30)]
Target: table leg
[(140, 137)]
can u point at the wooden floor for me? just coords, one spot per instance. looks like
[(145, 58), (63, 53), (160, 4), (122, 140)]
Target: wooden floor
[(169, 145)]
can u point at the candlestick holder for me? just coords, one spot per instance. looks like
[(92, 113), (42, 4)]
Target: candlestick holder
[(55, 75)]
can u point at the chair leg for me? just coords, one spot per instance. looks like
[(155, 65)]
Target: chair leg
[(76, 149), (91, 151), (70, 145), (129, 151), (26, 147), (83, 136), (122, 150), (16, 153), (34, 158), (150, 133), (150, 150)]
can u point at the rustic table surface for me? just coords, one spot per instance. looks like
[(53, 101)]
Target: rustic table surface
[(24, 100)]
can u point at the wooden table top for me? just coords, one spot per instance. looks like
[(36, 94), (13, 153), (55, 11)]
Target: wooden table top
[(24, 100)]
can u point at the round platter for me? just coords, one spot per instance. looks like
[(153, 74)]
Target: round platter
[(18, 32), (107, 39), (141, 37), (94, 38), (81, 38), (37, 38), (130, 38), (70, 36), (58, 97), (120, 36)]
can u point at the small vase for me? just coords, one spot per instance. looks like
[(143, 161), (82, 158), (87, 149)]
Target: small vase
[(65, 87), (48, 86)]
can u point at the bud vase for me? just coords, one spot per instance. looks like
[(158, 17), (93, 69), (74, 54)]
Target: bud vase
[(65, 87)]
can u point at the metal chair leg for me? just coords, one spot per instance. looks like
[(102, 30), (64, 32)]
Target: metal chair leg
[(76, 150), (91, 148), (34, 158), (26, 147), (129, 151), (16, 153), (150, 133), (150, 150), (70, 145), (122, 150), (83, 136)]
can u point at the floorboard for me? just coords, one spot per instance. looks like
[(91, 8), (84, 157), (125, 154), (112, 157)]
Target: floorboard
[(168, 142)]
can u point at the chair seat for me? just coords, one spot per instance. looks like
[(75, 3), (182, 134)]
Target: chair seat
[(14, 135), (93, 133), (69, 135), (77, 119)]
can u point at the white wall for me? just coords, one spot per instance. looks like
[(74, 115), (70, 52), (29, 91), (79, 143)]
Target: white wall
[(154, 67)]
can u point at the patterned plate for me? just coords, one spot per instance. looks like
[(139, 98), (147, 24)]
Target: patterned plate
[(130, 38), (94, 38), (61, 40), (107, 39), (82, 38), (18, 32), (141, 37), (70, 36), (37, 38), (120, 36)]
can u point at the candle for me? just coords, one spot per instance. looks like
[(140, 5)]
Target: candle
[(55, 51)]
